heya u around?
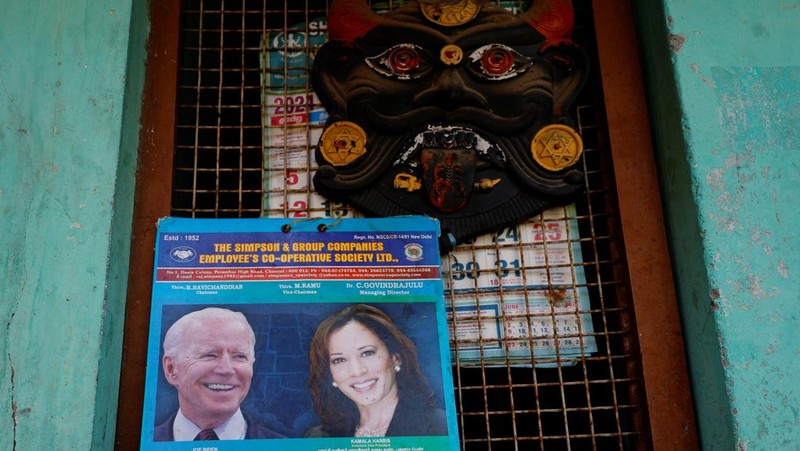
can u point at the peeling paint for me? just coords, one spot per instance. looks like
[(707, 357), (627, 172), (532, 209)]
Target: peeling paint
[(725, 362), (783, 270), (759, 236), (705, 80), (739, 160), (752, 285), (676, 42), (730, 202), (758, 107), (715, 180)]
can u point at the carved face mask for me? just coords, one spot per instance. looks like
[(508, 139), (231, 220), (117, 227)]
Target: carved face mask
[(456, 110)]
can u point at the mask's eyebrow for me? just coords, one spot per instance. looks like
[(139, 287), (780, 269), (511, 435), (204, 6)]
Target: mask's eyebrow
[(393, 32), (519, 38)]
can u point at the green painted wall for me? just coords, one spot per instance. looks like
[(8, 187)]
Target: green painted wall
[(724, 79), (724, 87), (69, 114)]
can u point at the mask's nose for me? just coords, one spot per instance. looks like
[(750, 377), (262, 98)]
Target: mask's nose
[(448, 90)]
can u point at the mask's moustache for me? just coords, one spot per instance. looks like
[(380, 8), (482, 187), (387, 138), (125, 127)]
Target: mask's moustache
[(449, 137)]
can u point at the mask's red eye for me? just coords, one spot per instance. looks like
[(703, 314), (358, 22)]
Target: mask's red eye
[(403, 60), (498, 62)]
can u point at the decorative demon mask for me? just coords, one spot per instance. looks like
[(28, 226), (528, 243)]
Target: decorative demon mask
[(453, 109)]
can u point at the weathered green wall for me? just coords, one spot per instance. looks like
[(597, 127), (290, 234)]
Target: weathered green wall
[(724, 86), (69, 114), (725, 89)]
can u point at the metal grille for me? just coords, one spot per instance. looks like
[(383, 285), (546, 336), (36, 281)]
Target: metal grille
[(553, 400)]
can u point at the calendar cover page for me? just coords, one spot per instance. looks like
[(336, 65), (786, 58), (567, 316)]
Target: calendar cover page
[(298, 335)]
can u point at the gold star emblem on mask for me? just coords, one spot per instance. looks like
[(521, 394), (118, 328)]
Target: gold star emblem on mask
[(343, 143), (556, 147)]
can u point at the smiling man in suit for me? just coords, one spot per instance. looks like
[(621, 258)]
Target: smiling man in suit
[(208, 358)]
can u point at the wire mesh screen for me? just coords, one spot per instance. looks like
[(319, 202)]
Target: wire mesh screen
[(544, 352)]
